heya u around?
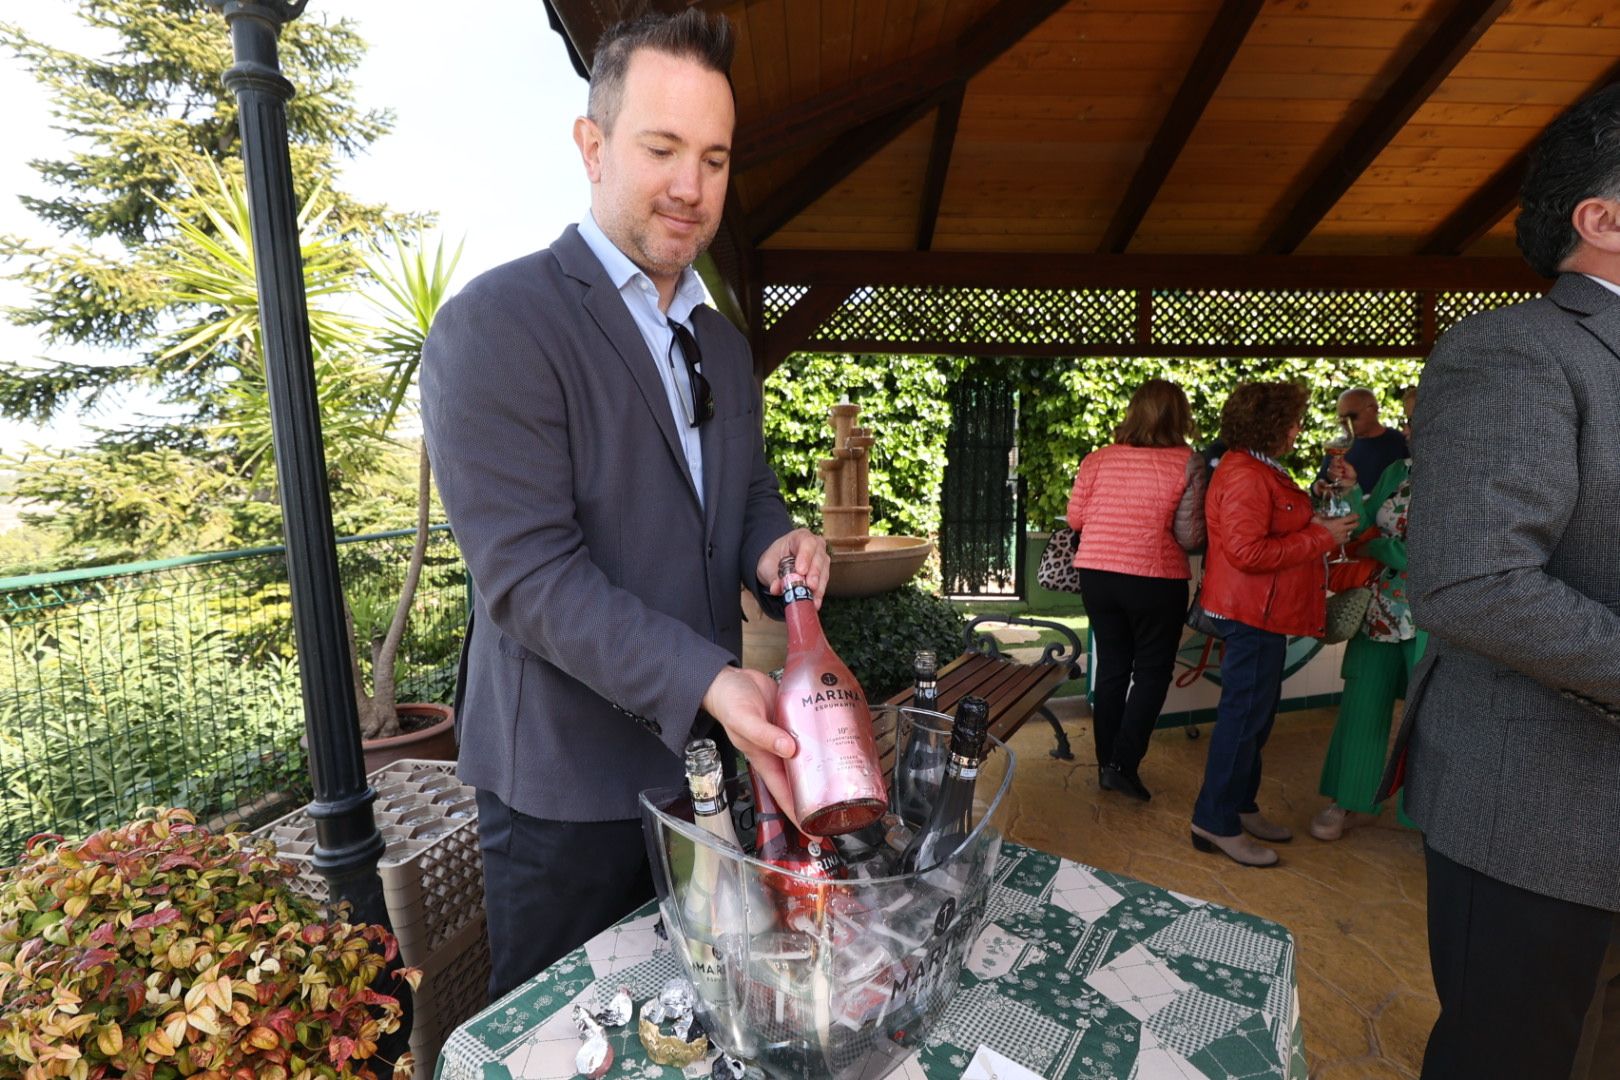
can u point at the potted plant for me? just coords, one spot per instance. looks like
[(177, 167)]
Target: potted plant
[(365, 374), (415, 289), (159, 949)]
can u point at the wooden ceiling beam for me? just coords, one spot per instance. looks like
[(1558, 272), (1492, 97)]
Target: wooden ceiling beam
[(1449, 43), (796, 325), (974, 269), (939, 165), (830, 168), (1495, 198), (1221, 43), (927, 76)]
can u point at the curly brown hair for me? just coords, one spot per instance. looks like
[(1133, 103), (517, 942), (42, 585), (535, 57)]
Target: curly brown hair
[(1258, 415)]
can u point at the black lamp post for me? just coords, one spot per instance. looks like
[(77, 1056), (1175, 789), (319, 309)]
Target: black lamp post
[(347, 844)]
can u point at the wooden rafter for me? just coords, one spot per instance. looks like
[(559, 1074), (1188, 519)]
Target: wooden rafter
[(972, 269), (939, 164), (1221, 44), (928, 76), (1489, 203), (797, 324), (1495, 198), (830, 168), (1449, 43)]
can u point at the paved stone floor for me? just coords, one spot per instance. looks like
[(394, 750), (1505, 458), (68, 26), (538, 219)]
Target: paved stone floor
[(1355, 906)]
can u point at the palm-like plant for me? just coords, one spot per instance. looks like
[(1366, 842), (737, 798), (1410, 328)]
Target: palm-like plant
[(364, 371), (413, 291)]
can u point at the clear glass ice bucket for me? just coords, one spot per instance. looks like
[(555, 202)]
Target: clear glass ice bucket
[(811, 978)]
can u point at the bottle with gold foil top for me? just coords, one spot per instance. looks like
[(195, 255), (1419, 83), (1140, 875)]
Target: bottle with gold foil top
[(724, 903), (781, 844), (837, 781)]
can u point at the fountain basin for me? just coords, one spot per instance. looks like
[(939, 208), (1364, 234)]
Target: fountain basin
[(882, 563)]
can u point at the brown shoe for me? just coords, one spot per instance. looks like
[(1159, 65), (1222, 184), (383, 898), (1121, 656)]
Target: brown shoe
[(1332, 821), (1259, 827), (1239, 848)]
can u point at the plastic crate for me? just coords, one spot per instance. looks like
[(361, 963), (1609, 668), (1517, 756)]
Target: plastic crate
[(433, 883), (455, 985)]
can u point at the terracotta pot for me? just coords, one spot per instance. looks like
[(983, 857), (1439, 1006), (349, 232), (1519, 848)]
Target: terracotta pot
[(436, 742)]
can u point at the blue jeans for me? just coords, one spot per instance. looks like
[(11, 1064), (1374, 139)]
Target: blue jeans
[(1251, 685)]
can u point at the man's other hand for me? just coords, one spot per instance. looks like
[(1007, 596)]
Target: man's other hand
[(810, 559), (744, 702)]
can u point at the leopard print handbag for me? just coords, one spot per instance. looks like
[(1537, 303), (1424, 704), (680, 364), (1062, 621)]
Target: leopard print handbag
[(1057, 571)]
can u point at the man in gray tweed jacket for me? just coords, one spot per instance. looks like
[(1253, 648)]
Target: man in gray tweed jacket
[(1513, 720)]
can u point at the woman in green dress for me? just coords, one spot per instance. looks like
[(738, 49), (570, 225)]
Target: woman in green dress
[(1379, 660)]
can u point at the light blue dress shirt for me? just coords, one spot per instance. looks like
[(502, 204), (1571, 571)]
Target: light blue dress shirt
[(641, 298)]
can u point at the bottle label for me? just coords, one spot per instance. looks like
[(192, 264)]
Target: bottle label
[(792, 594)]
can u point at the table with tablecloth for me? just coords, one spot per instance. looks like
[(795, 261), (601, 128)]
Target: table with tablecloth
[(1078, 973)]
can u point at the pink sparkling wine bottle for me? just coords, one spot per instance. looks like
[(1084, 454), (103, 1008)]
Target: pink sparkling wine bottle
[(836, 778)]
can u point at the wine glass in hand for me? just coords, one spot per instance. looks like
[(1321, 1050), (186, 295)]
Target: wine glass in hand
[(1335, 504)]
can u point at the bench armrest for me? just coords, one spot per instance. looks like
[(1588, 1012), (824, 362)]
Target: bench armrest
[(1057, 652)]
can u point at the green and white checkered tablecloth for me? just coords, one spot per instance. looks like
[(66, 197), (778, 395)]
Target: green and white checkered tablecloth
[(1079, 974)]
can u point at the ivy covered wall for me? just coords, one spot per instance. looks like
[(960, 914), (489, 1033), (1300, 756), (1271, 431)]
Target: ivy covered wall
[(1067, 408)]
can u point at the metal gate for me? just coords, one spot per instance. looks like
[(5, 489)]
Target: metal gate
[(982, 521)]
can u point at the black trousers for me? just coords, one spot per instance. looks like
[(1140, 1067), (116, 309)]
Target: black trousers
[(1137, 621), (1518, 977), (551, 886)]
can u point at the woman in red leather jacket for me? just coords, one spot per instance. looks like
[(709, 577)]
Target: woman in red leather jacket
[(1264, 579)]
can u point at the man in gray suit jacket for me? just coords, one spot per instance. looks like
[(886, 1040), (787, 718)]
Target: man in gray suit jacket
[(595, 431), (1513, 759)]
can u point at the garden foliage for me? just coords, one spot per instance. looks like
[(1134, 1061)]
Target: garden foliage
[(877, 636), (159, 949)]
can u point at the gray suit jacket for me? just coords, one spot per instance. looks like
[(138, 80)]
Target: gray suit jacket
[(606, 597), (1514, 569)]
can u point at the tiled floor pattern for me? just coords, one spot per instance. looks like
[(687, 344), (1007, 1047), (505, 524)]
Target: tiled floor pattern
[(1355, 907)]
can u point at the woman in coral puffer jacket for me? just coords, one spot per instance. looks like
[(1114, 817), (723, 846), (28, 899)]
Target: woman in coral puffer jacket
[(1264, 579), (1138, 506)]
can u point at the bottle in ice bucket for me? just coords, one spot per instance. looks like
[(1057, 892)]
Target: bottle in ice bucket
[(952, 816), (779, 843), (835, 775), (723, 903), (922, 759)]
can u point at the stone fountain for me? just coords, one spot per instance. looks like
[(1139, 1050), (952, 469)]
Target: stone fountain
[(862, 564)]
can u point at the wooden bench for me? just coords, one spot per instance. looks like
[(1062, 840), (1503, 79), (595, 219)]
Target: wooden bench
[(1016, 691)]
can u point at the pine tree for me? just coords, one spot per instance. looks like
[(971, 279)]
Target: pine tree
[(151, 125)]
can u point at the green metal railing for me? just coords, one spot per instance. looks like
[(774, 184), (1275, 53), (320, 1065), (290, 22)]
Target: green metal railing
[(176, 683)]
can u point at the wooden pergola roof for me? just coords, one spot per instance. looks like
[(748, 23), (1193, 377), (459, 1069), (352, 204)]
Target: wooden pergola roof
[(1314, 147)]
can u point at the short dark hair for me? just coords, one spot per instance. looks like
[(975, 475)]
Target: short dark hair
[(1158, 415), (692, 35), (1576, 158), (1259, 414)]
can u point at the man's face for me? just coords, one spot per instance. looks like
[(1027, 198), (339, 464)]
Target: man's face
[(658, 181), (1362, 412)]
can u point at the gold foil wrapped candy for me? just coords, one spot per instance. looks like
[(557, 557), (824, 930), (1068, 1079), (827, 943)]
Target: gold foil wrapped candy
[(669, 1050)]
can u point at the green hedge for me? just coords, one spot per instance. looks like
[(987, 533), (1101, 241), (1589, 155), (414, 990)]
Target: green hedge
[(877, 636)]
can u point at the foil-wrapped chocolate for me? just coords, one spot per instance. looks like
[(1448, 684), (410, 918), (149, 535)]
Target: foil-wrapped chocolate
[(677, 997), (620, 1008), (595, 1058), (668, 1050), (727, 1067), (586, 1023)]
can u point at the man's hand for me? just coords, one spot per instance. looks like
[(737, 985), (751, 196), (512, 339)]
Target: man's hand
[(743, 701), (810, 559)]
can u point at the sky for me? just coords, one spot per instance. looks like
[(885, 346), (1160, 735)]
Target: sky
[(484, 100)]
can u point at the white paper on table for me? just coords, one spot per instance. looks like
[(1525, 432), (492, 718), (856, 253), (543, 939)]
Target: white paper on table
[(989, 1065)]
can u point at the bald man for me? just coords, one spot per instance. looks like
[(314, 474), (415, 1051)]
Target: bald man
[(1376, 446)]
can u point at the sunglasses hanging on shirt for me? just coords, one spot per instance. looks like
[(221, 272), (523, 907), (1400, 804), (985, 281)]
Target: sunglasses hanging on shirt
[(701, 407)]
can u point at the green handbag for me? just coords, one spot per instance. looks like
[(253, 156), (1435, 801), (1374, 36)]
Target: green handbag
[(1346, 611)]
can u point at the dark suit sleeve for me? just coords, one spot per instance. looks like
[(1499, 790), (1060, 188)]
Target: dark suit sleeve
[(1495, 480), (765, 519), (496, 425)]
